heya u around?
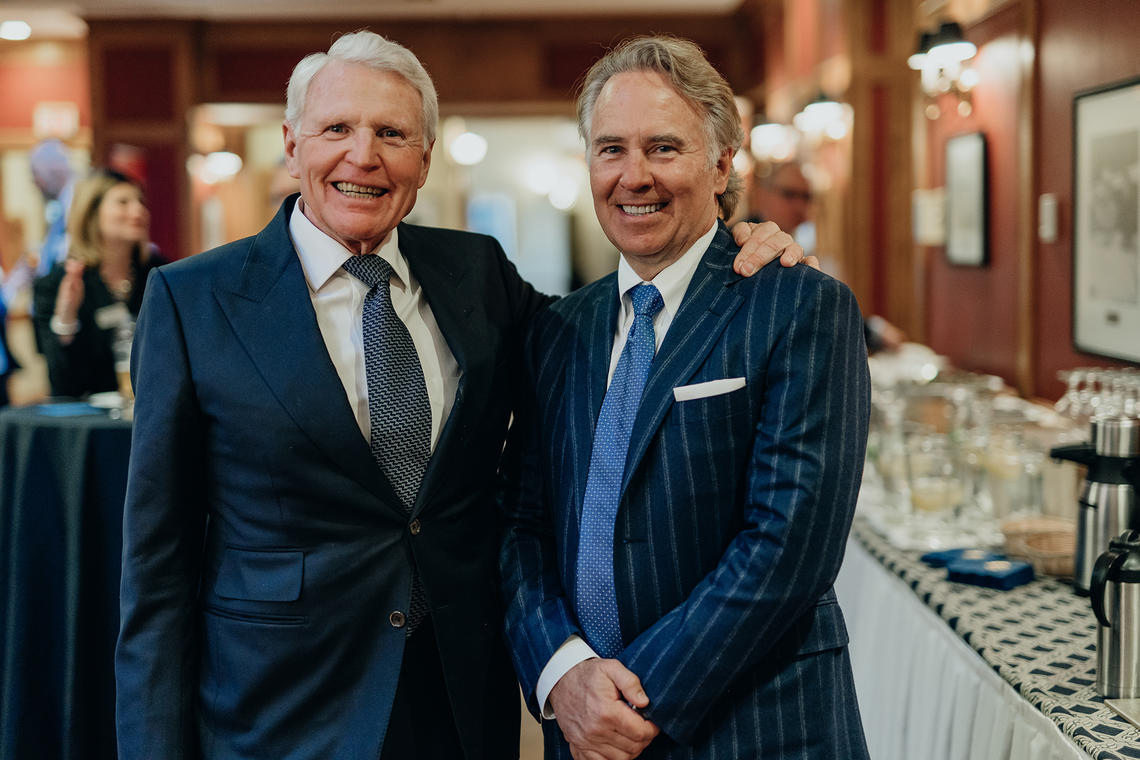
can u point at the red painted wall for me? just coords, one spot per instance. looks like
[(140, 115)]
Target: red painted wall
[(971, 312), (25, 80), (1082, 46)]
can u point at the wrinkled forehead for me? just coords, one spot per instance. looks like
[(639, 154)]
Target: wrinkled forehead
[(345, 89), (644, 99)]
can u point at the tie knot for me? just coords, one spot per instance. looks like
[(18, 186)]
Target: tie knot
[(370, 269), (646, 300)]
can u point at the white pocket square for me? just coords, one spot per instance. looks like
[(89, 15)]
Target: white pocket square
[(711, 388)]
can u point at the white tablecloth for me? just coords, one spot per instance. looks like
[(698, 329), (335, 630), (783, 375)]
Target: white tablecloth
[(923, 692)]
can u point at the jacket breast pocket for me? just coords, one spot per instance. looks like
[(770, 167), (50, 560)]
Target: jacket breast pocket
[(707, 409), (260, 575)]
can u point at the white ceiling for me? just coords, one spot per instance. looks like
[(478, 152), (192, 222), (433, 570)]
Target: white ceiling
[(62, 18)]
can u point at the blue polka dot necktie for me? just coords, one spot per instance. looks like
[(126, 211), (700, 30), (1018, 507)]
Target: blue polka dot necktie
[(595, 595), (398, 410)]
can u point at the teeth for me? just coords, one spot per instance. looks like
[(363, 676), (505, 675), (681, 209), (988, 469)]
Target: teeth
[(358, 191), (640, 210)]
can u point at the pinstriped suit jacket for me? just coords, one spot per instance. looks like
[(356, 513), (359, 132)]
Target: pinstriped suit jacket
[(734, 512)]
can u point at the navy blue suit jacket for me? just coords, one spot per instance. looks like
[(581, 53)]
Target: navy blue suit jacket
[(734, 512), (263, 548)]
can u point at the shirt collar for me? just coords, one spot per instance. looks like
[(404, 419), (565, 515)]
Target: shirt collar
[(322, 257), (672, 281)]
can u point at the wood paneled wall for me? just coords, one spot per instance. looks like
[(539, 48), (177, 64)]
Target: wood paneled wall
[(145, 75), (1081, 46), (1014, 317), (972, 313)]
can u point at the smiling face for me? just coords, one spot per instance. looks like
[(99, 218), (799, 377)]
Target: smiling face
[(123, 216), (359, 152), (654, 190)]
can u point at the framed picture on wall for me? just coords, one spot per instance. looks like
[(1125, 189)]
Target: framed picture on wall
[(966, 200), (1106, 220)]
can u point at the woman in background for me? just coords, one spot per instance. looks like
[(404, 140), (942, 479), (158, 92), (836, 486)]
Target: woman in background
[(85, 307)]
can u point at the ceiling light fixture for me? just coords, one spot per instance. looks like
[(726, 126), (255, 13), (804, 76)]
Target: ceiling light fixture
[(15, 30)]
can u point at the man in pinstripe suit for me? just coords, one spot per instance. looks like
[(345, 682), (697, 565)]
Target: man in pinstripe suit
[(710, 628)]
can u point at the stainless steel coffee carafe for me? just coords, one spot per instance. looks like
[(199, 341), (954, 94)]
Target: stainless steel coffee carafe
[(1108, 503), (1115, 593)]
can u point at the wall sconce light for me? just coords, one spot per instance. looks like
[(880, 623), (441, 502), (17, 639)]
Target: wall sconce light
[(212, 168), (939, 57), (823, 116), (774, 142), (468, 148)]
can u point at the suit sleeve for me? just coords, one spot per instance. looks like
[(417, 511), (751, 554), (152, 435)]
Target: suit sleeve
[(163, 527), (803, 480), (538, 616)]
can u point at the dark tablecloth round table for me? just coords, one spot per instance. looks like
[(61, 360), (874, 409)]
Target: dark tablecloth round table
[(63, 473)]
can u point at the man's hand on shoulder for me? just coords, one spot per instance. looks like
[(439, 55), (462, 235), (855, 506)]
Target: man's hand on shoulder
[(760, 243), (592, 704)]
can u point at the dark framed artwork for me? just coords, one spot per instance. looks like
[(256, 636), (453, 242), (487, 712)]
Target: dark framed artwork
[(1106, 220), (967, 200)]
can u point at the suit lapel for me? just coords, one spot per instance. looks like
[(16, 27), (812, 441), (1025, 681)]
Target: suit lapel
[(706, 309), (440, 275), (271, 313), (597, 324)]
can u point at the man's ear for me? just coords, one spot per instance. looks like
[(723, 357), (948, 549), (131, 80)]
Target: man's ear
[(290, 151), (723, 169), (426, 164)]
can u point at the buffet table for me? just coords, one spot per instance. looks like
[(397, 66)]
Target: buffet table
[(63, 473), (949, 670)]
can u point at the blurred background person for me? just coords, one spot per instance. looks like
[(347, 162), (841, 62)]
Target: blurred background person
[(783, 194), (8, 363), (85, 307), (54, 177)]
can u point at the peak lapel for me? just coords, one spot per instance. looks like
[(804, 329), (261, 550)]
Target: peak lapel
[(440, 275), (706, 309), (271, 313)]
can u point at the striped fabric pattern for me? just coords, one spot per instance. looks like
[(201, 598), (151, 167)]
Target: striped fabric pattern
[(734, 513)]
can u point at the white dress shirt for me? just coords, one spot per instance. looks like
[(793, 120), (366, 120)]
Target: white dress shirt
[(671, 282), (338, 300)]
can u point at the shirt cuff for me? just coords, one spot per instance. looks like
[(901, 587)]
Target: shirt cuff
[(573, 651)]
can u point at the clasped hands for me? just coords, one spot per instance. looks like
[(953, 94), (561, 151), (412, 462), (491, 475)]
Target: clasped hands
[(591, 703)]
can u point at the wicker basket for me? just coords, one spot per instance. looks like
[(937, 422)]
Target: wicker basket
[(1047, 543)]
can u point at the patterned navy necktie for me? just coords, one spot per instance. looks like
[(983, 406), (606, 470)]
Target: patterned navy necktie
[(398, 410), (595, 595)]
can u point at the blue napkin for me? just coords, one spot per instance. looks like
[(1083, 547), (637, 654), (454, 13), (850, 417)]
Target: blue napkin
[(946, 556), (1000, 574), (68, 409)]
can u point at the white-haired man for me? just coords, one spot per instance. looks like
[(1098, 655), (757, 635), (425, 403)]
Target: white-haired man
[(311, 531)]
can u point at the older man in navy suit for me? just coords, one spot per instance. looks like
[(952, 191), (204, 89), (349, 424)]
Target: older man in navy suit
[(691, 459), (311, 528)]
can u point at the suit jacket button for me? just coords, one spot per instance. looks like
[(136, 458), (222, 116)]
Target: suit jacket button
[(415, 527), (397, 619)]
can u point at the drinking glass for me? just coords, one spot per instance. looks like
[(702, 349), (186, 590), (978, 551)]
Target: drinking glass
[(1014, 467), (936, 479)]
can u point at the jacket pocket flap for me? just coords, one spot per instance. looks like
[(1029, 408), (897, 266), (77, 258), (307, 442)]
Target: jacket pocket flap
[(260, 576), (821, 629)]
